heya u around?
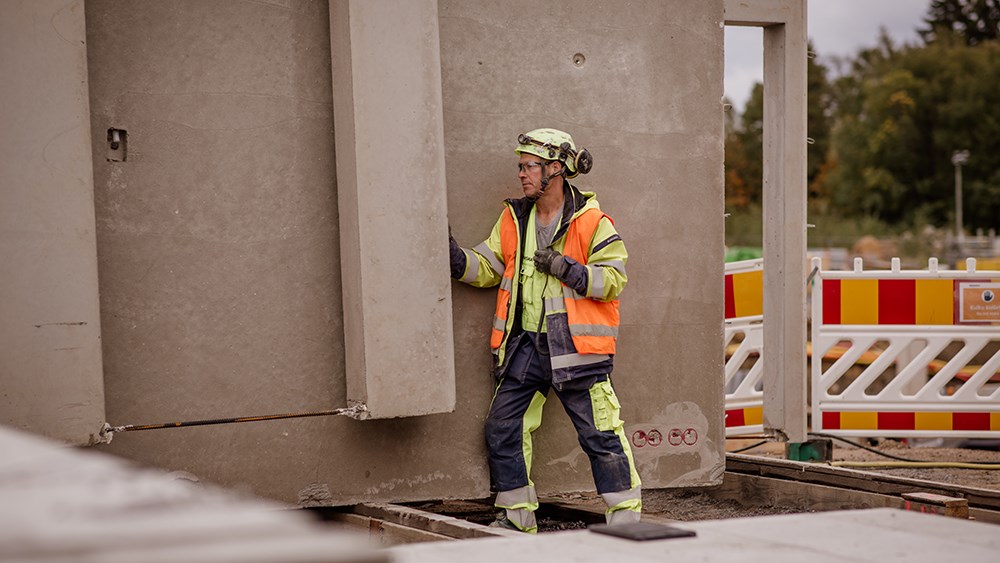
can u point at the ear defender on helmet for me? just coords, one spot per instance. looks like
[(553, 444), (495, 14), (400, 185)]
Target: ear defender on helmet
[(552, 144), (584, 163)]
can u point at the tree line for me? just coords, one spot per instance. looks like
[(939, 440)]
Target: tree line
[(883, 126)]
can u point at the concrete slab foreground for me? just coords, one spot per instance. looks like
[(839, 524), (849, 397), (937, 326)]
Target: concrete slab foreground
[(65, 504), (877, 535)]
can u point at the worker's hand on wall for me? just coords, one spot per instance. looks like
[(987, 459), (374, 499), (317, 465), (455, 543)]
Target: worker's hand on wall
[(549, 261), (457, 256)]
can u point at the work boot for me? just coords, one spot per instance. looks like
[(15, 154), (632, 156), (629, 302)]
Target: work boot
[(503, 522)]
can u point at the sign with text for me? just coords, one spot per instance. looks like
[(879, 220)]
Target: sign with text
[(979, 302)]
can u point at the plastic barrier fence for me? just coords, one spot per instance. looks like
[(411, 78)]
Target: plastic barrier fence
[(744, 340), (933, 342)]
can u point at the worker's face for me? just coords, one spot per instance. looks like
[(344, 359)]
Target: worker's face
[(529, 171)]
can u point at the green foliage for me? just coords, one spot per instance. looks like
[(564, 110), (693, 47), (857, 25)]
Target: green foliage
[(744, 141), (902, 113), (744, 228), (883, 131), (738, 253), (744, 153), (974, 21)]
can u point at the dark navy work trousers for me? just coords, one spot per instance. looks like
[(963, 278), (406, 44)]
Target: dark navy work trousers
[(520, 393)]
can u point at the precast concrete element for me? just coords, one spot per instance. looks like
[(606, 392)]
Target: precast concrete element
[(392, 200), (220, 260), (68, 504), (872, 536), (50, 330), (219, 233), (784, 23), (640, 88)]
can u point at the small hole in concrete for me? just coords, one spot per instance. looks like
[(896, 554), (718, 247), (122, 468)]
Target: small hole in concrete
[(579, 59)]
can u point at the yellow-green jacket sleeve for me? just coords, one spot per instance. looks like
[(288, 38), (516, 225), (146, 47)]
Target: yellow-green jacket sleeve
[(606, 263), (484, 264)]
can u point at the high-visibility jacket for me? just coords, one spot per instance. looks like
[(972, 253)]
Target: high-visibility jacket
[(581, 328)]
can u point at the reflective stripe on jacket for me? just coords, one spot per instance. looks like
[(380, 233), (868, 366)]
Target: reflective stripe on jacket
[(509, 242), (582, 329)]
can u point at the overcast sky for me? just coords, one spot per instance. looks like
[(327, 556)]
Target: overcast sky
[(837, 28)]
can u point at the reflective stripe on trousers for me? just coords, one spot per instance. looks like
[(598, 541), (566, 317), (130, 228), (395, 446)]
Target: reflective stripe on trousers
[(624, 506), (516, 411), (520, 505)]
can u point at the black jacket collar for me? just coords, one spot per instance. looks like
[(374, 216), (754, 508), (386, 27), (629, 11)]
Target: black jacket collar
[(573, 201)]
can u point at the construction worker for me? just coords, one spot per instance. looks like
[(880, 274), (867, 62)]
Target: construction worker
[(560, 266)]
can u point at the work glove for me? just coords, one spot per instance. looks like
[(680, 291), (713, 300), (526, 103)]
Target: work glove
[(549, 261), (456, 256)]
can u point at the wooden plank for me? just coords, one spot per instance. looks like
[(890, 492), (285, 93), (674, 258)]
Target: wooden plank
[(983, 515), (937, 504), (860, 480), (753, 490), (385, 534), (428, 521)]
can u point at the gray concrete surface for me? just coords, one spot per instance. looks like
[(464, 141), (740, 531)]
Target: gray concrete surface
[(641, 88), (784, 209), (219, 241), (876, 536), (65, 504), (397, 292), (50, 366)]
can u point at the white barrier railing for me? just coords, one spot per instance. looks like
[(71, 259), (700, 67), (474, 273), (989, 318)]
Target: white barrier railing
[(935, 335), (744, 341)]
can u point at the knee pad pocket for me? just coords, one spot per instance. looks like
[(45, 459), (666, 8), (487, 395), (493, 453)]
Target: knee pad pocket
[(502, 433), (606, 407)]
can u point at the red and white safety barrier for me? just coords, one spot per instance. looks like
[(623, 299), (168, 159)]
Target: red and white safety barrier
[(936, 334), (744, 341)]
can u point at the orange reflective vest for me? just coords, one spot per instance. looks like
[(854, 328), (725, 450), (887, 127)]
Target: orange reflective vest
[(593, 324), (582, 335)]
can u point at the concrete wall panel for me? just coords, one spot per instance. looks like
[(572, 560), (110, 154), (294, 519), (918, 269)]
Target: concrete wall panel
[(220, 258), (50, 365), (219, 251), (397, 292), (641, 88)]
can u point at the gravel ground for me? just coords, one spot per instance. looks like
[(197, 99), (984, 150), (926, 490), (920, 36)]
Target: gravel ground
[(919, 451), (693, 504), (685, 505), (985, 479), (697, 504)]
